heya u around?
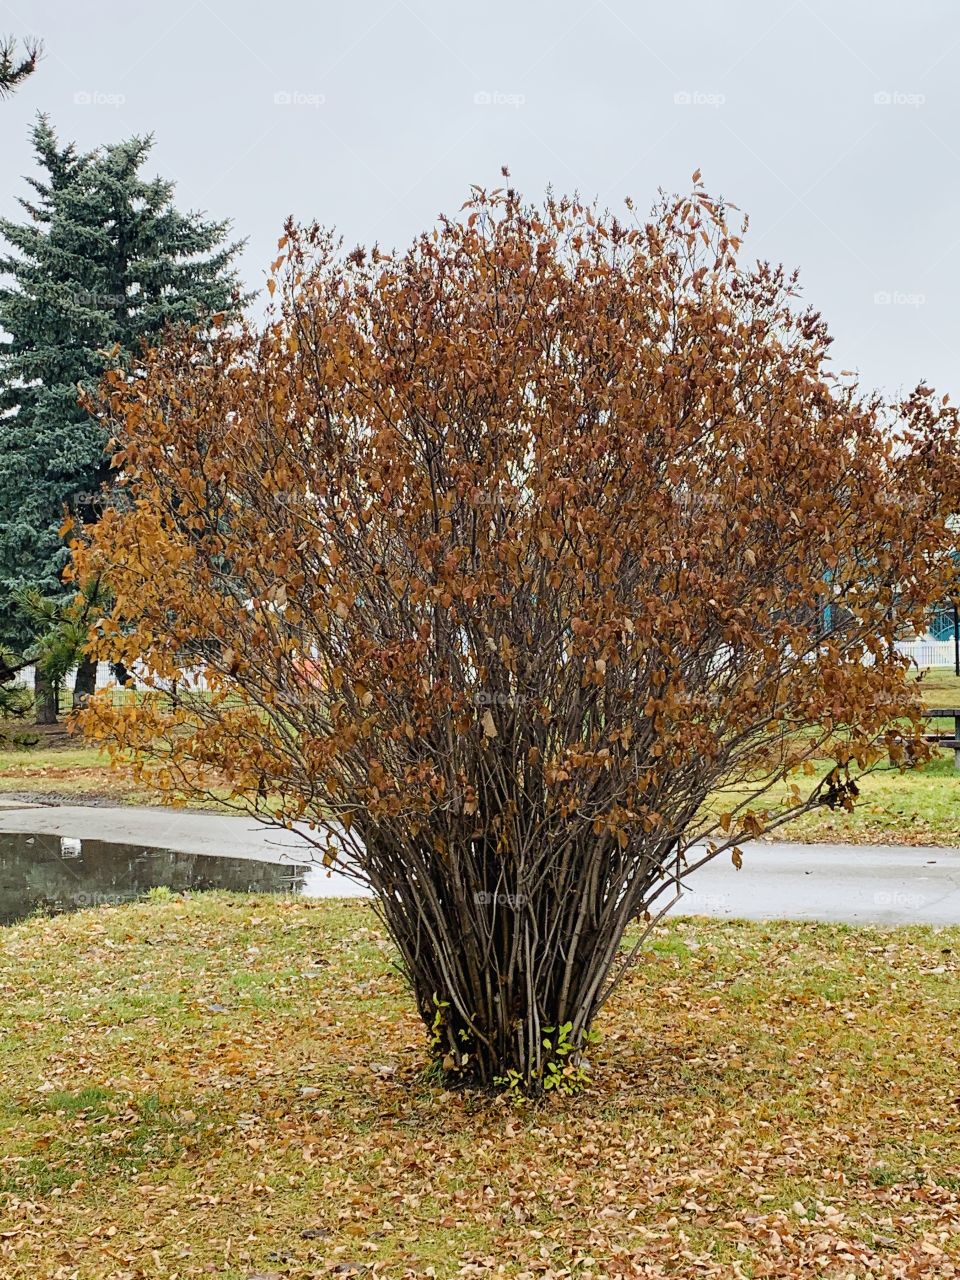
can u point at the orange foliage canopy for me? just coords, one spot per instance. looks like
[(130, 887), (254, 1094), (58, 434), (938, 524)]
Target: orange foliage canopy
[(509, 551)]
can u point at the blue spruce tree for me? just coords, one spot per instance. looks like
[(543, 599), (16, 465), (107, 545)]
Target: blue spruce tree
[(102, 263)]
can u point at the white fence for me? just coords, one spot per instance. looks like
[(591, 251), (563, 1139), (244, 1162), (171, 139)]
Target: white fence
[(924, 651), (928, 653), (105, 677), (195, 679)]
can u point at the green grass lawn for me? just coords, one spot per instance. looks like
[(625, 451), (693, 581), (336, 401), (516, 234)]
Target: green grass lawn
[(921, 806), (940, 686), (234, 1087), (67, 774), (73, 773)]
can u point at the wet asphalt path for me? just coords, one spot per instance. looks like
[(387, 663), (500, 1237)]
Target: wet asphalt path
[(856, 884)]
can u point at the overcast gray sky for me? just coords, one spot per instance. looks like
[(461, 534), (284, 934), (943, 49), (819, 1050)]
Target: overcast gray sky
[(834, 125)]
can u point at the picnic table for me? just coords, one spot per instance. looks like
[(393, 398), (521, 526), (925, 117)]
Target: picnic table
[(946, 740)]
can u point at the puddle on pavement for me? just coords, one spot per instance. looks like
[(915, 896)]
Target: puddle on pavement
[(52, 874)]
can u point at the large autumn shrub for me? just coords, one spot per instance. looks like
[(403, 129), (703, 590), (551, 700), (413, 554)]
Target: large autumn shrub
[(503, 558)]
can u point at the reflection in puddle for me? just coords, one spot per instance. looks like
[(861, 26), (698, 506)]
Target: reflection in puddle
[(49, 873)]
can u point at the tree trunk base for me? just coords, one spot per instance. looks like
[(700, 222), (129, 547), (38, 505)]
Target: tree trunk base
[(45, 695), (85, 685)]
